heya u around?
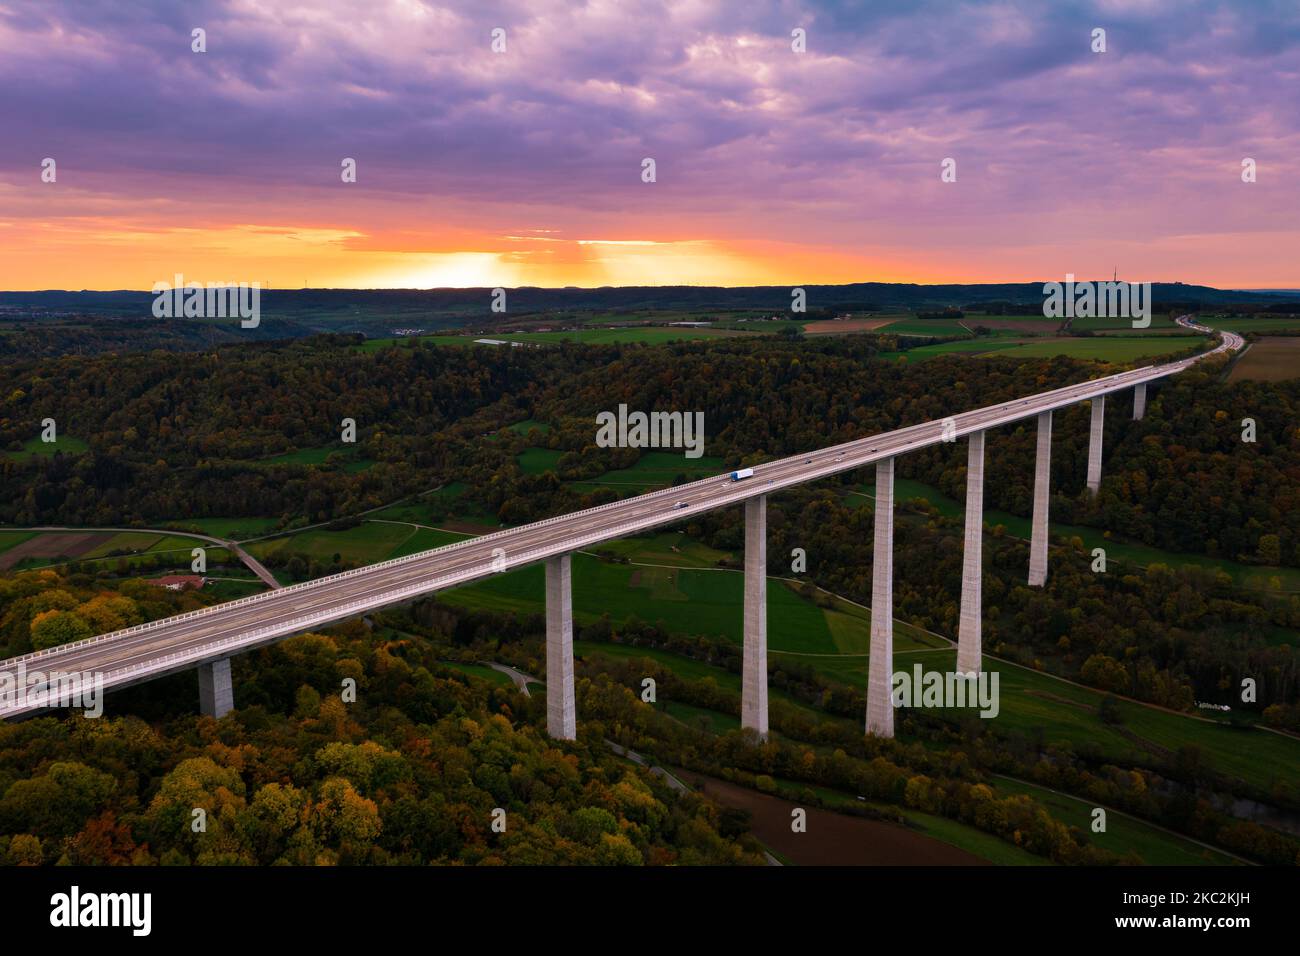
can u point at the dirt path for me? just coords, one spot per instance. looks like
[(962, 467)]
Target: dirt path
[(832, 839)]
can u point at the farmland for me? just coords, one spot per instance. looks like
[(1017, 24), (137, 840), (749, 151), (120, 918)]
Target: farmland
[(1132, 552), (648, 335), (1271, 359), (23, 549), (1105, 348)]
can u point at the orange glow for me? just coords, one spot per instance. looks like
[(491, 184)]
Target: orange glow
[(91, 252)]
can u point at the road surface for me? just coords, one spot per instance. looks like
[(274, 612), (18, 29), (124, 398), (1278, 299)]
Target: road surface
[(184, 641)]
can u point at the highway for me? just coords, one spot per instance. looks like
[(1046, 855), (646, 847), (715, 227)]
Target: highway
[(182, 642)]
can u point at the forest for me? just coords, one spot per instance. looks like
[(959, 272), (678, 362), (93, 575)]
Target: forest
[(198, 435), (414, 772), (294, 777), (189, 435)]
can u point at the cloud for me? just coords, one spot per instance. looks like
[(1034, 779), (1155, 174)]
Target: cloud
[(749, 137)]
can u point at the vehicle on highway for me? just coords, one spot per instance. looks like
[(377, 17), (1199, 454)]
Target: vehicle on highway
[(680, 504), (742, 473)]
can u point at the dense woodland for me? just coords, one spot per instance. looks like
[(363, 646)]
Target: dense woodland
[(180, 435), (186, 436), (295, 777), (412, 772)]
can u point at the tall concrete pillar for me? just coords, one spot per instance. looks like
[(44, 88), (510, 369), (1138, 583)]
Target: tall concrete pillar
[(561, 712), (880, 707), (1094, 443), (1042, 479), (1139, 401), (216, 695), (972, 568), (753, 687)]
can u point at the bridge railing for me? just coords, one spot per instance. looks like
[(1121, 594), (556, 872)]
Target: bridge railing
[(1118, 380), (212, 650)]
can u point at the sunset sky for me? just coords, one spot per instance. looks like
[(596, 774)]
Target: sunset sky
[(478, 168)]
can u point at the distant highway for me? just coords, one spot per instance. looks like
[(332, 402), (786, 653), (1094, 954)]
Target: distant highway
[(182, 642)]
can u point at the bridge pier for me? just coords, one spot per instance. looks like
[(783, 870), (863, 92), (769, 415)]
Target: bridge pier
[(1042, 480), (1139, 401), (561, 711), (972, 568), (753, 688), (216, 695), (1094, 444), (880, 706)]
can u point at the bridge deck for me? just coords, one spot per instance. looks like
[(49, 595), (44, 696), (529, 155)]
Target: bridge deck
[(151, 650)]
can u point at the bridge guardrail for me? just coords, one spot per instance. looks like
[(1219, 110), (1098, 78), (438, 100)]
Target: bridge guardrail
[(1119, 379)]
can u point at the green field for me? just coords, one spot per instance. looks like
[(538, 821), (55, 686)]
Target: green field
[(688, 598), (1106, 348), (701, 718), (230, 590), (1124, 834), (665, 547), (686, 601), (444, 504), (35, 448), (932, 327), (535, 461), (979, 346), (657, 469), (1255, 576), (368, 543), (648, 335), (140, 541), (690, 669), (1031, 702), (134, 548), (1097, 323), (1251, 324), (524, 427)]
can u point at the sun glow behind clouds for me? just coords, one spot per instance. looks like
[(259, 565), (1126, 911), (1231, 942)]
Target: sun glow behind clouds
[(585, 262), (449, 270)]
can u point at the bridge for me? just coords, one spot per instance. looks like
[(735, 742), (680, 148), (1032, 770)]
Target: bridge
[(206, 639)]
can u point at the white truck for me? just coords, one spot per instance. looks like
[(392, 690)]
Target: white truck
[(742, 473)]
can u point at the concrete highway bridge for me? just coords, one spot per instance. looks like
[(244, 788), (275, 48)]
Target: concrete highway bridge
[(206, 639)]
